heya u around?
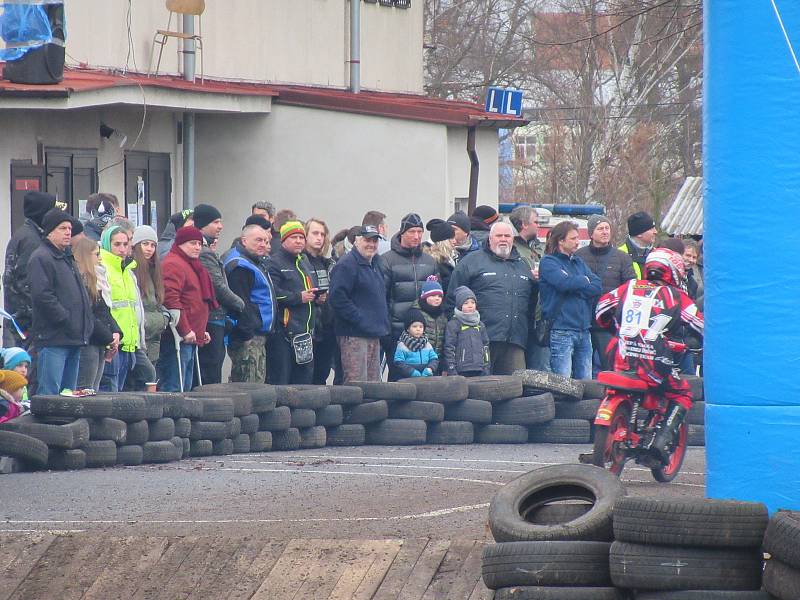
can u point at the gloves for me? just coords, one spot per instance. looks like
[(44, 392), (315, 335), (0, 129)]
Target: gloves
[(427, 372), (416, 373)]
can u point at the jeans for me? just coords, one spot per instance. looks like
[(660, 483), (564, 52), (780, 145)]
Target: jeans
[(600, 342), (212, 355), (116, 371), (168, 374), (57, 368), (91, 367), (142, 372), (571, 353), (537, 357)]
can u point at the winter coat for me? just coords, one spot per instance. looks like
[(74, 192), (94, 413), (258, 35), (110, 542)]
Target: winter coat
[(62, 311), (93, 228), (531, 252), (291, 275), (616, 265), (568, 278), (104, 324), (638, 256), (229, 303), (165, 240), (16, 282), (505, 289), (466, 348), (249, 280), (473, 246), (155, 321), (321, 271), (434, 327), (182, 291), (404, 271), (358, 297), (124, 297), (411, 363)]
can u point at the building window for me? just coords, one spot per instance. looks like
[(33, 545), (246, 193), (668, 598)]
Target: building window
[(71, 177), (525, 149), (148, 188)]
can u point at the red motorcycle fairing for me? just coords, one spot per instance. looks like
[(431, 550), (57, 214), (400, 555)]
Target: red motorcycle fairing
[(609, 406)]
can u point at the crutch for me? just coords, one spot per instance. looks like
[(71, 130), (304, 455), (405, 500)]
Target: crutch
[(175, 315)]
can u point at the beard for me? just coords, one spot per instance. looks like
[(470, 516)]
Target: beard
[(502, 250)]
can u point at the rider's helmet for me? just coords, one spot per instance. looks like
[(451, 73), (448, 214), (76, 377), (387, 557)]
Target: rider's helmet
[(665, 265)]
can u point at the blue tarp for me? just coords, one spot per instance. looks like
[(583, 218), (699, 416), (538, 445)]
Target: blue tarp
[(25, 26)]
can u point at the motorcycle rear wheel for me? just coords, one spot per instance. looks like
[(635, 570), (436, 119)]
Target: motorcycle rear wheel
[(669, 471), (607, 452)]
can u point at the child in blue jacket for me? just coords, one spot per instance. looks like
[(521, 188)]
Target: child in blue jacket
[(415, 357)]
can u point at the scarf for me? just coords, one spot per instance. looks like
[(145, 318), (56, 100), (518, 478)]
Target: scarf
[(412, 343), (206, 287), (105, 238), (433, 311), (472, 319)]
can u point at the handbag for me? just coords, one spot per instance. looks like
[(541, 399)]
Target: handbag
[(542, 326), (303, 346)]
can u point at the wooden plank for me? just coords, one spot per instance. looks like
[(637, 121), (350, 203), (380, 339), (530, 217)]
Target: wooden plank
[(481, 592), (152, 587), (361, 581), (127, 567), (468, 575), (401, 568), (254, 561), (449, 569), (225, 551), (19, 554), (289, 573), (183, 581), (332, 559), (423, 572)]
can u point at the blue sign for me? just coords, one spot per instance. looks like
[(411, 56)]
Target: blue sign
[(504, 101)]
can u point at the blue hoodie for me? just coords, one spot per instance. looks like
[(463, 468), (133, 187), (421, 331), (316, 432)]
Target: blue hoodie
[(562, 276)]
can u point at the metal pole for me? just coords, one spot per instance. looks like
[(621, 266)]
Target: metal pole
[(188, 117), (355, 46), (474, 168)]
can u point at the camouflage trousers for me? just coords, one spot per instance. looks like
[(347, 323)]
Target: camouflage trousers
[(249, 360)]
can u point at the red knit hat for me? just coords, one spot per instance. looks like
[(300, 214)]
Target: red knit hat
[(188, 234)]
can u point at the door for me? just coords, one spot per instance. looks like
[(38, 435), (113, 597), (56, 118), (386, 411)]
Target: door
[(25, 177), (148, 188), (71, 177)]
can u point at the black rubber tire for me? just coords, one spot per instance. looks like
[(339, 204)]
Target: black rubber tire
[(161, 429), (130, 456), (696, 386), (154, 402), (223, 447), (439, 389), (346, 435), (561, 431), (208, 430), (262, 396), (249, 423), (559, 593), (524, 495), (568, 563), (303, 417), (66, 460), (80, 431), (697, 414), (138, 433), (501, 434), (417, 409), (201, 448), (330, 416), (55, 436), (782, 537), (241, 400), (215, 408), (187, 446), (183, 427), (241, 444), (313, 437), (100, 453), (557, 512), (108, 429), (192, 408), (645, 567), (286, 440), (593, 389), (528, 410), (162, 451), (550, 382), (781, 580), (369, 412), (474, 411), (178, 443), (695, 435), (261, 441), (385, 390), (397, 432), (128, 408), (577, 409), (494, 388), (690, 522), (303, 396), (65, 406), (233, 427), (279, 419), (174, 405), (346, 395), (31, 451), (451, 432), (706, 595)]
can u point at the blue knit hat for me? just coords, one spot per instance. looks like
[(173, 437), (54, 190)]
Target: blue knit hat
[(431, 287), (12, 357)]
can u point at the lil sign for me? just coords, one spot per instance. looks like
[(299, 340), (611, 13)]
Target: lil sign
[(504, 101)]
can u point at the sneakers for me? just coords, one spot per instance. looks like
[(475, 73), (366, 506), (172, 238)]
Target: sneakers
[(79, 393)]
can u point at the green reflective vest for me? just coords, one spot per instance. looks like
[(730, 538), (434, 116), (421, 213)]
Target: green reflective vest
[(123, 298)]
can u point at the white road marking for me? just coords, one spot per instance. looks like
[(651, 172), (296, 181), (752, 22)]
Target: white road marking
[(402, 476), (50, 531), (354, 464)]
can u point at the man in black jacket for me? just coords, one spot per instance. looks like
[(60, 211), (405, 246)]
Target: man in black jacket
[(62, 312), (505, 289), (405, 268), (16, 287)]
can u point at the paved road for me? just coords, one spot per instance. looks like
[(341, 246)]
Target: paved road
[(368, 492)]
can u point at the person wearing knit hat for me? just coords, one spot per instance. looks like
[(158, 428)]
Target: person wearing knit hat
[(177, 220), (291, 228), (16, 359), (414, 355), (481, 221), (259, 220), (410, 221), (440, 230), (53, 218), (464, 242), (12, 395), (442, 249), (144, 233), (594, 220), (205, 215), (430, 305), (150, 280), (101, 208), (466, 340), (642, 234)]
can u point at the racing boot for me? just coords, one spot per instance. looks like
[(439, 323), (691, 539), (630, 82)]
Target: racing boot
[(667, 431)]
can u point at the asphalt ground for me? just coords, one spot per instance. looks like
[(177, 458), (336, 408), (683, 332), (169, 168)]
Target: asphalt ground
[(367, 492)]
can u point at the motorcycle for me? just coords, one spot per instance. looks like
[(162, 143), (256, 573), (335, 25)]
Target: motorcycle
[(626, 423)]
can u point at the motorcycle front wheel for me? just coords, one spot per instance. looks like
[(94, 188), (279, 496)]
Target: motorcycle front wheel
[(609, 453), (669, 472)]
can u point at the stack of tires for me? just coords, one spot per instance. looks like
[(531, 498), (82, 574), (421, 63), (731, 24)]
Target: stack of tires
[(344, 399), (553, 528), (782, 543), (574, 409), (691, 548), (696, 418), (392, 414)]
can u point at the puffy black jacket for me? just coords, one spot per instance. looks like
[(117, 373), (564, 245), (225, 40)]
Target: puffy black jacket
[(321, 272), (466, 349), (291, 276), (62, 311), (404, 271), (229, 303), (505, 290), (16, 283), (616, 265)]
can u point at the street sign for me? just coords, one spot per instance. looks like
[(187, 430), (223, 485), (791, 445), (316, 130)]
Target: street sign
[(504, 101)]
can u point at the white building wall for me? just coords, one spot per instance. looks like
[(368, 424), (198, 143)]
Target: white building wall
[(458, 170)]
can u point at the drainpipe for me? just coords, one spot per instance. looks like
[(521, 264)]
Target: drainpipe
[(188, 117), (355, 46), (474, 168)]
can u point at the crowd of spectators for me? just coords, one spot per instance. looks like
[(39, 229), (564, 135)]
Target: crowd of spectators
[(103, 305)]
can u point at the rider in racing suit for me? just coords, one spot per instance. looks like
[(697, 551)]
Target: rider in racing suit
[(650, 317)]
